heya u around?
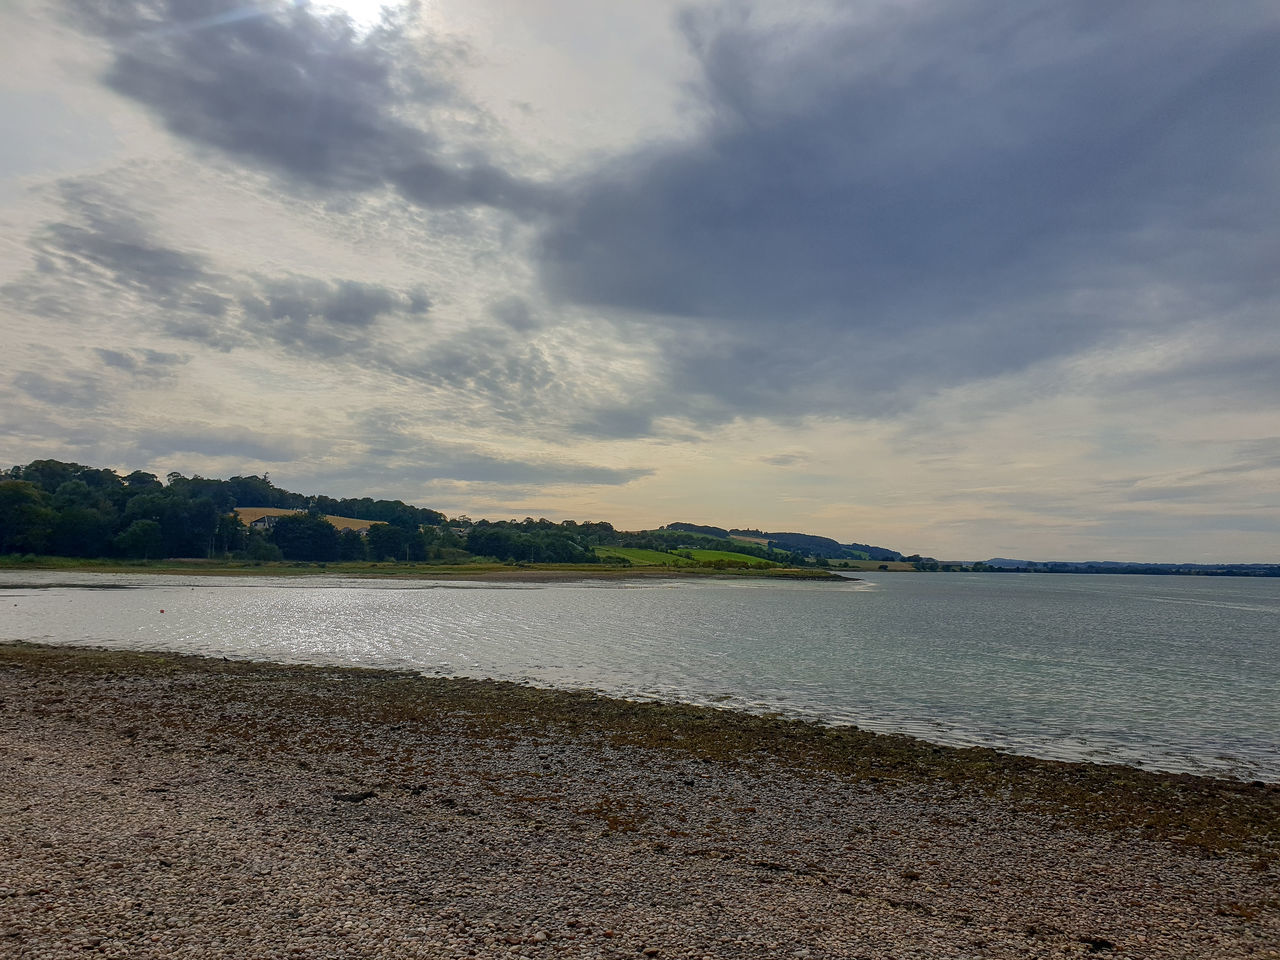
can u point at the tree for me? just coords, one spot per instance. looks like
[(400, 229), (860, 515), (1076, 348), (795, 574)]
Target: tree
[(386, 542), (142, 538), (26, 521), (351, 546), (82, 532), (304, 536), (139, 481), (48, 475), (230, 534), (261, 550)]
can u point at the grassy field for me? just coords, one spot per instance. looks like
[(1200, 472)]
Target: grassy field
[(700, 558), (249, 514), (644, 558), (709, 557)]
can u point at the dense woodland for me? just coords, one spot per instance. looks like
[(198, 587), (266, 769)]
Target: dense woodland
[(49, 507)]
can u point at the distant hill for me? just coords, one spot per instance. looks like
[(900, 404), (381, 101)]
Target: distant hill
[(1120, 566), (874, 553), (806, 544), (815, 546), (706, 531)]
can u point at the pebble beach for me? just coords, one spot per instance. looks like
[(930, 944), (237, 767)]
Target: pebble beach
[(174, 806)]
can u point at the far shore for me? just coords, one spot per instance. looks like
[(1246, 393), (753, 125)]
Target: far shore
[(218, 808), (520, 572)]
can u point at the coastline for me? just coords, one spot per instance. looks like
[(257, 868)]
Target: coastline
[(483, 572), (495, 812)]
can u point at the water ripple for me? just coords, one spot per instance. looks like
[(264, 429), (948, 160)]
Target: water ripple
[(1067, 667)]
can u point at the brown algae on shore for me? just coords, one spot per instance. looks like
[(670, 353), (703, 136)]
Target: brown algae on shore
[(218, 808), (1209, 814)]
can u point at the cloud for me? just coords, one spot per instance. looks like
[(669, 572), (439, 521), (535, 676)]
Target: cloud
[(100, 241), (207, 440), (111, 274), (300, 93), (514, 312), (74, 389), (783, 459), (935, 193), (610, 422), (458, 463), (418, 460), (141, 363), (322, 318), (101, 257)]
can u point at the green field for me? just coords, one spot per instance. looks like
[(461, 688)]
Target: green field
[(700, 558), (707, 558), (644, 558)]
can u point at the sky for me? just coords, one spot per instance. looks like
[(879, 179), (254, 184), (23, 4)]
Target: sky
[(958, 277)]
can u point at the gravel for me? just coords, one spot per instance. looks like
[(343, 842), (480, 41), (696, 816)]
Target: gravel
[(154, 807)]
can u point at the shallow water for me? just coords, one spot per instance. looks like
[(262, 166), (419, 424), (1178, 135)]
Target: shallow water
[(1168, 673)]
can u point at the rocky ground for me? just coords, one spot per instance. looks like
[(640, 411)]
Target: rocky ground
[(178, 807)]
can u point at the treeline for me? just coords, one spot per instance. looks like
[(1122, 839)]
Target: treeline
[(538, 541), (1145, 569), (261, 492), (70, 510)]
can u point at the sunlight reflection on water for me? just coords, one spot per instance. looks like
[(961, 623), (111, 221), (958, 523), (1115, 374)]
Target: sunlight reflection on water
[(1171, 675)]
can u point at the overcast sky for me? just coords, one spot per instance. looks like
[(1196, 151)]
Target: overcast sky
[(962, 277)]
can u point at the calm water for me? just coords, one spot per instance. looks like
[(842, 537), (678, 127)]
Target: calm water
[(1168, 673)]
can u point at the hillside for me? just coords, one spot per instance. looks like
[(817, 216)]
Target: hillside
[(249, 514), (801, 544)]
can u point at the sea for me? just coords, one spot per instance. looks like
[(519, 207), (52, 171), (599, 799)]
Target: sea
[(1166, 673)]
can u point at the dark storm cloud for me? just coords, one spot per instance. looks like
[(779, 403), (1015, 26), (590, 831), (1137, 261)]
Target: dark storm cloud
[(301, 94), (941, 192)]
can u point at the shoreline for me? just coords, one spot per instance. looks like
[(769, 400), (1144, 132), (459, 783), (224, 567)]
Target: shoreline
[(1213, 813), (494, 813), (491, 572)]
